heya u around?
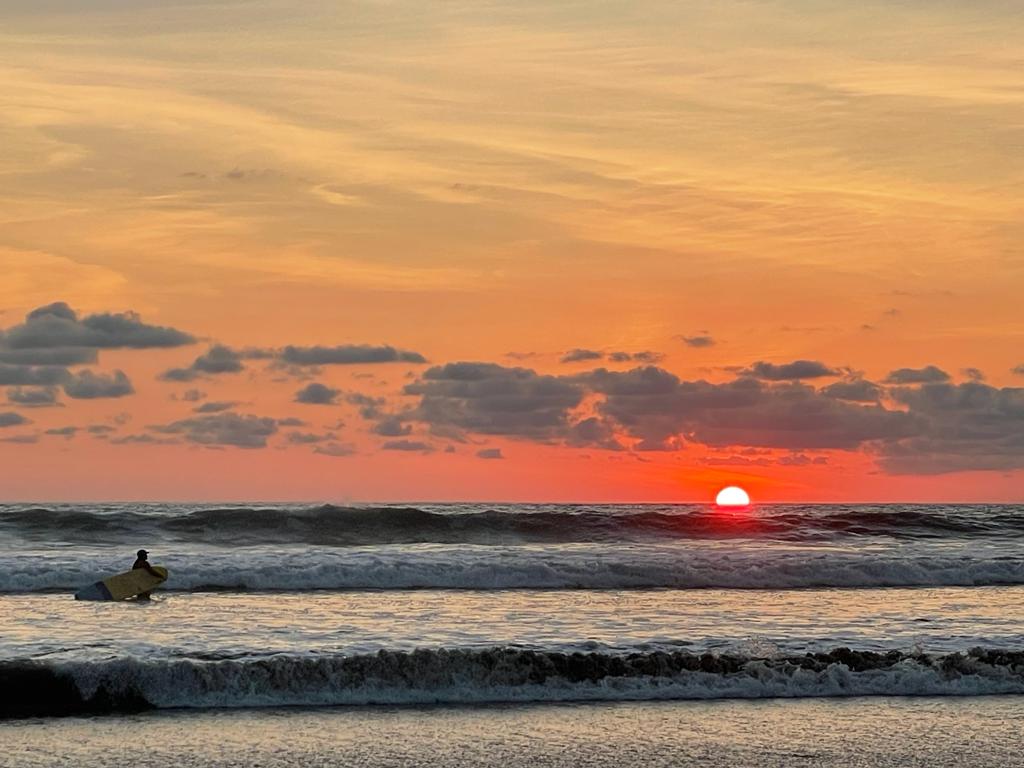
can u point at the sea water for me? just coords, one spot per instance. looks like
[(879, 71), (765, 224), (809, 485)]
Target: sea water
[(516, 608)]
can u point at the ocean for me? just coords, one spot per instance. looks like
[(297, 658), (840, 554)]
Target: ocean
[(497, 634)]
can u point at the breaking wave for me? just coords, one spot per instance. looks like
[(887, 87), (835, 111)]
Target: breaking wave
[(528, 567), (339, 526), (38, 689)]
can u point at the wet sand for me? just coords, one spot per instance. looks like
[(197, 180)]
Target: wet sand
[(877, 732)]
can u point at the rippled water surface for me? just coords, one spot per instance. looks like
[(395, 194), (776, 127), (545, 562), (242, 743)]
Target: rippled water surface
[(285, 605)]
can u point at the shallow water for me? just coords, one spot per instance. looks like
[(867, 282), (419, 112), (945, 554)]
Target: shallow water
[(741, 621), (272, 605)]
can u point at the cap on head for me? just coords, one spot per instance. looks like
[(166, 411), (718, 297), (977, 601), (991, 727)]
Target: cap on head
[(142, 553)]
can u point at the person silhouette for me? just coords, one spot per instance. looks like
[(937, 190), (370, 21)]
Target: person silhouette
[(142, 562)]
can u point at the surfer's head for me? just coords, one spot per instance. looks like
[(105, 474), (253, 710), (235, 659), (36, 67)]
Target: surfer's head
[(143, 554)]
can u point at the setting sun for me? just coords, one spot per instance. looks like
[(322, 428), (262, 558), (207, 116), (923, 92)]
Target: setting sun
[(732, 496)]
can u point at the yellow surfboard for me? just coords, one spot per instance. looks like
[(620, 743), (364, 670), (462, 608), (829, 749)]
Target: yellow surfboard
[(124, 585)]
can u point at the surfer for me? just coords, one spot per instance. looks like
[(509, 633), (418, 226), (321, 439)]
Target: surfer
[(142, 561)]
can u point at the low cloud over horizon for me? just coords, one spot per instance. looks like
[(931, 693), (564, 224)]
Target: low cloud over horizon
[(796, 414)]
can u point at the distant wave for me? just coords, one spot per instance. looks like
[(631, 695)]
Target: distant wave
[(338, 526), (38, 689), (576, 566)]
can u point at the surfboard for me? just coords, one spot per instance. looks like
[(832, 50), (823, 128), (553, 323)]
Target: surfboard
[(124, 585)]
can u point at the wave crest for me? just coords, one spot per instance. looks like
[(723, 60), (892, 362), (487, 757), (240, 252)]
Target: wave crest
[(492, 675), (534, 567), (341, 526)]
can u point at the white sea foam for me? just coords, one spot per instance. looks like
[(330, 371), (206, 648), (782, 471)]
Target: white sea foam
[(527, 567), (510, 675)]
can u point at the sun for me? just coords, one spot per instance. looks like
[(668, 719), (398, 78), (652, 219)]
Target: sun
[(732, 496)]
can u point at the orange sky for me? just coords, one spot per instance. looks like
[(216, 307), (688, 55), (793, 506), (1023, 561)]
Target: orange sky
[(801, 180)]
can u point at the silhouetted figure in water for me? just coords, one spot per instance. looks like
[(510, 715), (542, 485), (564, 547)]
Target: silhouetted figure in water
[(142, 561)]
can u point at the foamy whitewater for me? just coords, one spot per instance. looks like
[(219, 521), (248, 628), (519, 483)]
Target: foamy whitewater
[(272, 605)]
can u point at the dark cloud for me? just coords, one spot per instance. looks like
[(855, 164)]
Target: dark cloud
[(798, 369), (934, 427), (217, 359), (143, 440), (969, 426), (594, 432), (317, 394), (490, 453), (193, 395), (12, 419), (227, 429), (635, 357), (698, 341), (87, 385), (215, 406), (587, 355), (291, 421), (854, 390), (581, 355), (100, 430), (254, 174), (801, 460), (298, 361), (735, 461), (65, 432), (178, 374), (654, 406), (369, 407), (974, 374), (1018, 369), (308, 438), (339, 450), (407, 445), (487, 398), (58, 326), (59, 356), (29, 375), (927, 375), (33, 397), (391, 426), (347, 354), (746, 459)]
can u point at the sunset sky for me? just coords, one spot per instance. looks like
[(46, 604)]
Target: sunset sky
[(596, 251)]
